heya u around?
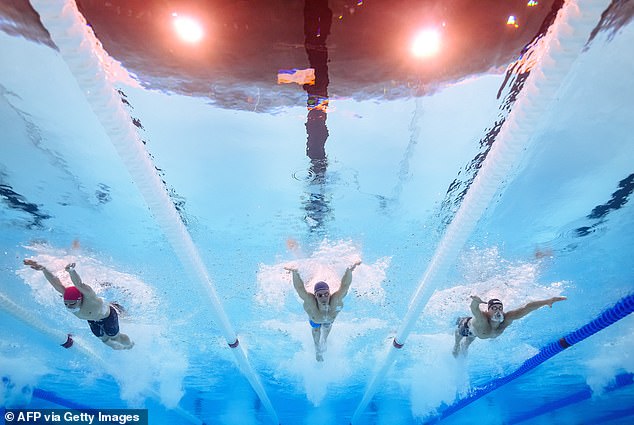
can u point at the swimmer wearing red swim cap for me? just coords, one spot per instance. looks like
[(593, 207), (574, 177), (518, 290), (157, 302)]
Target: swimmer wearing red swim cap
[(81, 300)]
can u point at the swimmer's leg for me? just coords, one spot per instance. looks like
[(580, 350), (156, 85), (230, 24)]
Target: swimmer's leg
[(456, 346), (467, 342), (124, 340), (118, 342), (325, 332), (112, 337), (316, 338), (111, 343)]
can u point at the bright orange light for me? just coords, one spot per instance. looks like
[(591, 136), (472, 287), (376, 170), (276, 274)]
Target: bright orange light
[(188, 29), (426, 43)]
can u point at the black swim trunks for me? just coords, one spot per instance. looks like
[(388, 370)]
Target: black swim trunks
[(108, 325), (463, 326)]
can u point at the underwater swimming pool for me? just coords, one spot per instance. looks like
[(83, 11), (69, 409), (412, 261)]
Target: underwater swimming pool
[(184, 199)]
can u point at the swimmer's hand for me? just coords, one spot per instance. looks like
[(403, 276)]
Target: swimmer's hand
[(33, 264), (354, 266), (554, 300), (290, 268), (477, 299), (70, 267)]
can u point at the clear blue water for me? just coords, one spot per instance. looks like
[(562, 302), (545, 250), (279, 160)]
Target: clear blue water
[(253, 202)]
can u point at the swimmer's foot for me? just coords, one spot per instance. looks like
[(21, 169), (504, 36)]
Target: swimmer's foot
[(116, 345), (319, 353)]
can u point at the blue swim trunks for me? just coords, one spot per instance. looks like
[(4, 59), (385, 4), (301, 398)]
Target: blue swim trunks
[(108, 325), (319, 325)]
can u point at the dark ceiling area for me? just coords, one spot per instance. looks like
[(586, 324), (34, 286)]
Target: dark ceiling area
[(366, 44)]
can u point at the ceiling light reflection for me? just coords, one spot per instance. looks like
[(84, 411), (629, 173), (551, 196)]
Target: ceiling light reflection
[(426, 43), (188, 29)]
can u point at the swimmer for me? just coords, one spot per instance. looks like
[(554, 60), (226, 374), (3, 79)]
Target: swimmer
[(81, 300), (490, 323), (322, 307)]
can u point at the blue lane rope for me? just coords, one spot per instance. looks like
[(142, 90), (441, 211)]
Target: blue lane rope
[(54, 398), (49, 396), (565, 41), (620, 381), (60, 401), (620, 310)]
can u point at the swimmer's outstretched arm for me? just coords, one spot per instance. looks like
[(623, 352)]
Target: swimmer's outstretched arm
[(532, 306), (298, 284), (475, 306), (346, 280), (52, 279), (83, 288)]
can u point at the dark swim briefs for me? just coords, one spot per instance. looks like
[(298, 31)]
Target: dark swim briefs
[(463, 326), (108, 325)]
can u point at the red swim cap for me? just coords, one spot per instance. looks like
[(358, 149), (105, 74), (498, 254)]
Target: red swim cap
[(72, 293)]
